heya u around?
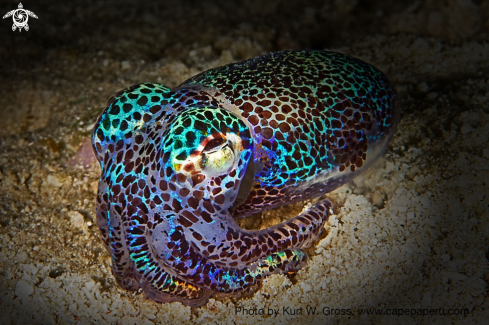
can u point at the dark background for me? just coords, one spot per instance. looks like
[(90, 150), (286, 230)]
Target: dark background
[(56, 78), (151, 30)]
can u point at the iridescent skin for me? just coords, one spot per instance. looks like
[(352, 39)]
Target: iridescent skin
[(178, 165)]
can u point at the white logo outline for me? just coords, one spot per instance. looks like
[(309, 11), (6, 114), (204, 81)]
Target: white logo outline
[(20, 16)]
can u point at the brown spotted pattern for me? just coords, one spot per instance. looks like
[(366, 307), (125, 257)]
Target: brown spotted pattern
[(179, 165)]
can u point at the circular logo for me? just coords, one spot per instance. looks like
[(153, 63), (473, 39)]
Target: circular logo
[(20, 17)]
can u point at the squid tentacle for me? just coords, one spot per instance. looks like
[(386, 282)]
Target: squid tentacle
[(186, 262)]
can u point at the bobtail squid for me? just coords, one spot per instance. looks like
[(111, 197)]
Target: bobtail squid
[(179, 165)]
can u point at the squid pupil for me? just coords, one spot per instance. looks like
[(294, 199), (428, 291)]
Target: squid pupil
[(214, 144)]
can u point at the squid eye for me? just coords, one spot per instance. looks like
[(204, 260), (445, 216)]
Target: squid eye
[(218, 161), (218, 155)]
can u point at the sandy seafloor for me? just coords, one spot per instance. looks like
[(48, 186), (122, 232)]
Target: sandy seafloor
[(410, 233)]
